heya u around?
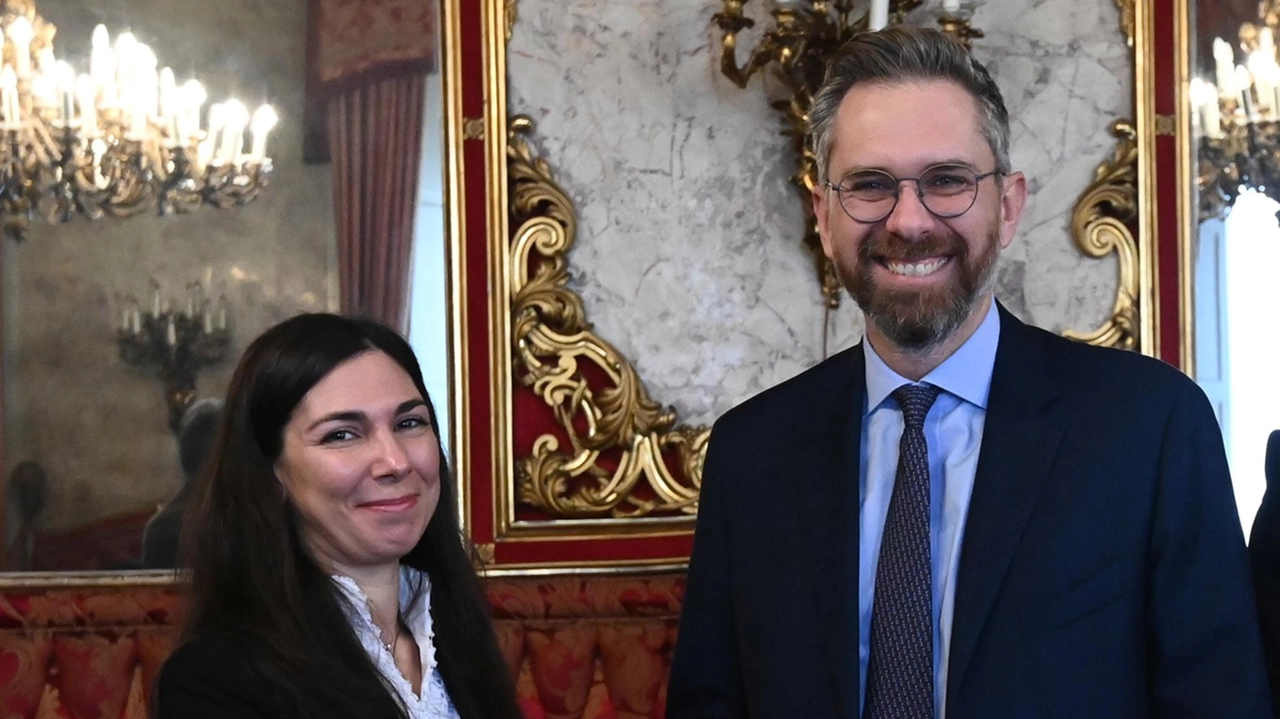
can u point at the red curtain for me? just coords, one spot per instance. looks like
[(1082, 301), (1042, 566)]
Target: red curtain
[(367, 63), (375, 143)]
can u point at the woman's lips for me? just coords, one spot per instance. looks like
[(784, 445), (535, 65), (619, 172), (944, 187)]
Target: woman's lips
[(391, 505)]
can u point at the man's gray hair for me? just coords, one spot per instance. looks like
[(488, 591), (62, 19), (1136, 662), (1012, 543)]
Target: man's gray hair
[(902, 54)]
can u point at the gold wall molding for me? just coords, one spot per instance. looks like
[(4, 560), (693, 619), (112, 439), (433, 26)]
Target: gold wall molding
[(509, 16), (1100, 225), (1128, 19), (617, 435)]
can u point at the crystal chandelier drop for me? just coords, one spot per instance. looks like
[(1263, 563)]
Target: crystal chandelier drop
[(122, 139)]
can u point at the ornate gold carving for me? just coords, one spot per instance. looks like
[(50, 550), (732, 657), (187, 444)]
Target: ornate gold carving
[(1101, 225), (486, 553), (1166, 125), (618, 436), (509, 15), (473, 128), (1128, 21)]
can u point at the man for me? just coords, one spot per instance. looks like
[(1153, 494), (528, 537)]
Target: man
[(196, 434), (1264, 555), (963, 516)]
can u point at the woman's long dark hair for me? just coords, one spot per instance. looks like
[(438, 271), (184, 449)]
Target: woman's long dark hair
[(253, 580)]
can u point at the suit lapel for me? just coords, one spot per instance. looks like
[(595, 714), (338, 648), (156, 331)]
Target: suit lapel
[(830, 506), (1019, 442)]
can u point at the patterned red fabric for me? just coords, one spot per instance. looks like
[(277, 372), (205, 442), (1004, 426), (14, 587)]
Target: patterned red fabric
[(580, 647), (24, 669), (94, 673)]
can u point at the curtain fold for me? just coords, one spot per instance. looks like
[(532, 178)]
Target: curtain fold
[(375, 142)]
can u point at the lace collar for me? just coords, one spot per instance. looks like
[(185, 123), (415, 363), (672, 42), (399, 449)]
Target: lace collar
[(434, 701)]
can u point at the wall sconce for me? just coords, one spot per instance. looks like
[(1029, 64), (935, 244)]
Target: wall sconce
[(804, 37), (178, 342)]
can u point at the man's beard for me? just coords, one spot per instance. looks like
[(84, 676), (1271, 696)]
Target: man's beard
[(919, 320)]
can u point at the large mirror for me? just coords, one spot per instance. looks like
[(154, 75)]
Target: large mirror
[(1233, 239), (92, 404)]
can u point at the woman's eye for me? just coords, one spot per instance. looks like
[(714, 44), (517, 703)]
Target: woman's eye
[(413, 422), (338, 435)]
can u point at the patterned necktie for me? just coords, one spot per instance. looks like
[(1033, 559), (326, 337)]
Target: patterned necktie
[(900, 668)]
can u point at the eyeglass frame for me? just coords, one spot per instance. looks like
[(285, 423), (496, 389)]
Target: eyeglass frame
[(897, 191)]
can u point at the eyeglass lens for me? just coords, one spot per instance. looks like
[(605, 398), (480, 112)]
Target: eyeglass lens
[(945, 190)]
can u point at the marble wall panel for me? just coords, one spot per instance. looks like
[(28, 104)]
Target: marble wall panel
[(97, 424), (688, 254)]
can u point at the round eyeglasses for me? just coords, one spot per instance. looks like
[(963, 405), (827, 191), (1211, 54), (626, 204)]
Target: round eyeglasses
[(946, 191)]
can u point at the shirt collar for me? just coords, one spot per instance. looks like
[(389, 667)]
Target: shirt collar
[(965, 374)]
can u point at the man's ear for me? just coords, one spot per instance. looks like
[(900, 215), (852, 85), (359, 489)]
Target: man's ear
[(1013, 200), (821, 197)]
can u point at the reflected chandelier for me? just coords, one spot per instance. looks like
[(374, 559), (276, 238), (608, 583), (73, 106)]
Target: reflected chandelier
[(1237, 116), (121, 139)]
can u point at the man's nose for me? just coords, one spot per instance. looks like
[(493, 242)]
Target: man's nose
[(910, 219)]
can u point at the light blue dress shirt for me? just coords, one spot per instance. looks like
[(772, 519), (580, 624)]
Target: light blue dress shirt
[(953, 433)]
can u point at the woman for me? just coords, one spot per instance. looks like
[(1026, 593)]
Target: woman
[(329, 577)]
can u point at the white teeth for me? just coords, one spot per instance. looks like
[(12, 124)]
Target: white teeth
[(918, 269)]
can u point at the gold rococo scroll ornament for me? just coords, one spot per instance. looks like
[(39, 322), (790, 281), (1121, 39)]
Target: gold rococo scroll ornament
[(618, 436), (1101, 225), (1104, 216)]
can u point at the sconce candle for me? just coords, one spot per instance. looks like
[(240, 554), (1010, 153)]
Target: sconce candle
[(878, 17), (951, 5)]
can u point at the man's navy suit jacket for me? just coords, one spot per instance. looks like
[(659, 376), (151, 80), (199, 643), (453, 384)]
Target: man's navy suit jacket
[(1103, 572)]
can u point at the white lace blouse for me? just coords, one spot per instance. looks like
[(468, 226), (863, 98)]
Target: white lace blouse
[(433, 703)]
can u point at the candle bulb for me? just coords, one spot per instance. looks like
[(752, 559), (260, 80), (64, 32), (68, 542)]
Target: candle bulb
[(878, 16), (137, 321), (951, 6), (101, 62), (195, 98), (20, 33), (1261, 69), (9, 95), (1244, 84), (171, 333), (222, 312), (86, 95), (65, 78), (205, 150), (167, 94), (207, 319), (264, 118), (46, 61), (233, 134), (99, 150), (1224, 66)]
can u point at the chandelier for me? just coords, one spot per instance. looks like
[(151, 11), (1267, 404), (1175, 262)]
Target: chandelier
[(1237, 118), (121, 139)]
